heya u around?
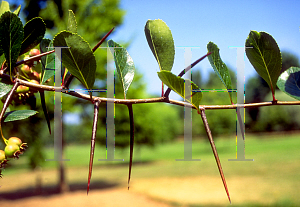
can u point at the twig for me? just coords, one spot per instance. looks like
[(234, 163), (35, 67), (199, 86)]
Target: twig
[(36, 57), (102, 40), (8, 99), (5, 105), (168, 91), (148, 100), (96, 110), (214, 149)]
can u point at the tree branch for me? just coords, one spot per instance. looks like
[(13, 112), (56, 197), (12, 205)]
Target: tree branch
[(39, 87), (168, 91)]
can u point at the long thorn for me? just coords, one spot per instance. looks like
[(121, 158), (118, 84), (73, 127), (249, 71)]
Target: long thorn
[(96, 109), (102, 40), (131, 140), (5, 105), (36, 57), (240, 121), (185, 70), (44, 107), (214, 149)]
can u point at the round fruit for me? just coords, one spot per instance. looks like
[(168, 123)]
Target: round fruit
[(34, 81), (36, 75), (2, 156), (11, 150), (14, 140), (26, 69), (22, 89), (34, 52)]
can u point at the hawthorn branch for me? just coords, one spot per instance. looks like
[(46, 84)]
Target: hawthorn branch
[(36, 57), (39, 87)]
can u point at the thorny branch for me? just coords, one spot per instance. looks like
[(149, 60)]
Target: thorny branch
[(147, 100)]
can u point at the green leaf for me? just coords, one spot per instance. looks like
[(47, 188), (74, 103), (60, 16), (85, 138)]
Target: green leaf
[(48, 64), (2, 59), (18, 115), (72, 24), (289, 82), (78, 58), (11, 37), (4, 7), (34, 31), (124, 65), (161, 43), (219, 66), (265, 57), (177, 84), (4, 88)]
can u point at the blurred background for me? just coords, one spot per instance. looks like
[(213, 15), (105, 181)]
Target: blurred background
[(157, 179)]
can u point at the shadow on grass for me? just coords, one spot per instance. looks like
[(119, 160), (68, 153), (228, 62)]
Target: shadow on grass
[(46, 191)]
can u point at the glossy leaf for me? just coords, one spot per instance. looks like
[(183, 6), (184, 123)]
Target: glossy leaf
[(176, 83), (18, 115), (4, 7), (4, 88), (2, 59), (78, 58), (265, 57), (161, 43), (72, 24), (219, 66), (48, 64), (34, 31), (124, 65), (11, 37), (289, 82)]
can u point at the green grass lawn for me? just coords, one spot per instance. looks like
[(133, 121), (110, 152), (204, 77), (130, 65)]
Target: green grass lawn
[(273, 175)]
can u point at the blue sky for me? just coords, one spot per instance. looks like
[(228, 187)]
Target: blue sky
[(195, 23)]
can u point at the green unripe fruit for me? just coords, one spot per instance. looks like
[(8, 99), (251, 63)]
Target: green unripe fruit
[(11, 150), (2, 156), (14, 140), (22, 89), (34, 81), (26, 69), (36, 75)]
